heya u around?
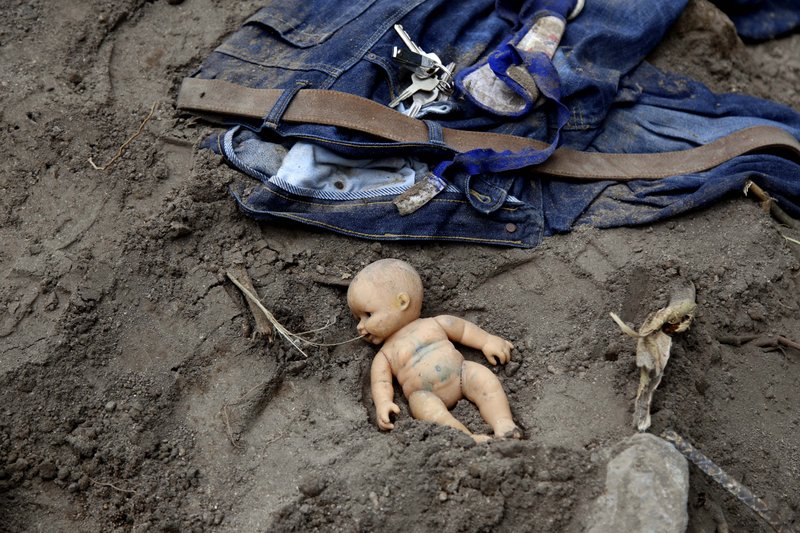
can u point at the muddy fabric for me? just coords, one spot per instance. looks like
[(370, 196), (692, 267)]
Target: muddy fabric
[(759, 20), (600, 96)]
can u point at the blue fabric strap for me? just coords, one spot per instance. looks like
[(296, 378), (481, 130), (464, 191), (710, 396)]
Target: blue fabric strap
[(488, 162), (435, 135), (273, 117)]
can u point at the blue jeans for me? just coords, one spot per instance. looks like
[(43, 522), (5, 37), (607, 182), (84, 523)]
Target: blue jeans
[(604, 98), (759, 20)]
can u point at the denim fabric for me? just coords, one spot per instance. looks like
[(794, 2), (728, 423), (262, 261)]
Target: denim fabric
[(654, 109), (600, 96), (759, 20)]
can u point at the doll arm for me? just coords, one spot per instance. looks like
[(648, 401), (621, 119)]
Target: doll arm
[(468, 334), (382, 391)]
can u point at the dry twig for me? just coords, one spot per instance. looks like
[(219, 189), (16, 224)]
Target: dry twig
[(263, 327), (769, 205), (293, 338), (94, 481), (121, 149), (762, 341)]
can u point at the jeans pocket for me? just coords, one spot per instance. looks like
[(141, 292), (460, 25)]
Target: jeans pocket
[(306, 24), (288, 37)]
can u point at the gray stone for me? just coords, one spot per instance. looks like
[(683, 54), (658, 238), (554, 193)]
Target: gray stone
[(647, 486), (47, 470), (312, 485)]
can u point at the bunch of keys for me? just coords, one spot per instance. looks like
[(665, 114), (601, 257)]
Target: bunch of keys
[(430, 78)]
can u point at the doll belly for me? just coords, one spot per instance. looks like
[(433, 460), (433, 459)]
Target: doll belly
[(436, 370)]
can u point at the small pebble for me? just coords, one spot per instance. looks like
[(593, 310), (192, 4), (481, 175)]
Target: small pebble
[(20, 465), (47, 471), (511, 368), (442, 496), (312, 485), (320, 269), (178, 230), (110, 406)]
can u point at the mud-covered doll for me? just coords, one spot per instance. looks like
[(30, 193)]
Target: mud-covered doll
[(386, 297)]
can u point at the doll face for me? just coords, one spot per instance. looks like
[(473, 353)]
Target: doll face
[(380, 314)]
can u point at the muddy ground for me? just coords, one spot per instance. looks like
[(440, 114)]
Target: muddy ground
[(127, 370)]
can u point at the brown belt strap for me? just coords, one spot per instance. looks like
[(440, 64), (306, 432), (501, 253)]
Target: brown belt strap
[(334, 108)]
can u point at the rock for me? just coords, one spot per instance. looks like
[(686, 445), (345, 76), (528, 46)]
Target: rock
[(178, 230), (20, 465), (82, 445), (111, 406), (511, 368), (311, 485), (47, 471), (553, 370), (612, 351), (647, 487), (757, 312)]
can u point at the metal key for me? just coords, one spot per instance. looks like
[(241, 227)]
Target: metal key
[(417, 84), (413, 47), (422, 65), (420, 99)]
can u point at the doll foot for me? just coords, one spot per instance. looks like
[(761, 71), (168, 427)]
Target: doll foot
[(515, 433), (507, 429), (480, 439)]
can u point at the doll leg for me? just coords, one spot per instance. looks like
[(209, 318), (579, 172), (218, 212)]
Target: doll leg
[(481, 386), (427, 406)]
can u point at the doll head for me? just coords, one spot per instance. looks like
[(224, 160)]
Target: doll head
[(385, 296)]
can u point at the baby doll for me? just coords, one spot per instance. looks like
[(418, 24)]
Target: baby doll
[(386, 297)]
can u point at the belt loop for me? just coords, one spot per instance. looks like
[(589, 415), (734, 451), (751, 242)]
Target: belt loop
[(273, 117), (435, 134)]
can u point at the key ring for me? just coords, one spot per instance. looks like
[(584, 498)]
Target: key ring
[(576, 10)]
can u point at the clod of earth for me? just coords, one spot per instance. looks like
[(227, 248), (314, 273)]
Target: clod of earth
[(654, 343)]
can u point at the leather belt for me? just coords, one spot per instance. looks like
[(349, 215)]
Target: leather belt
[(334, 108)]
